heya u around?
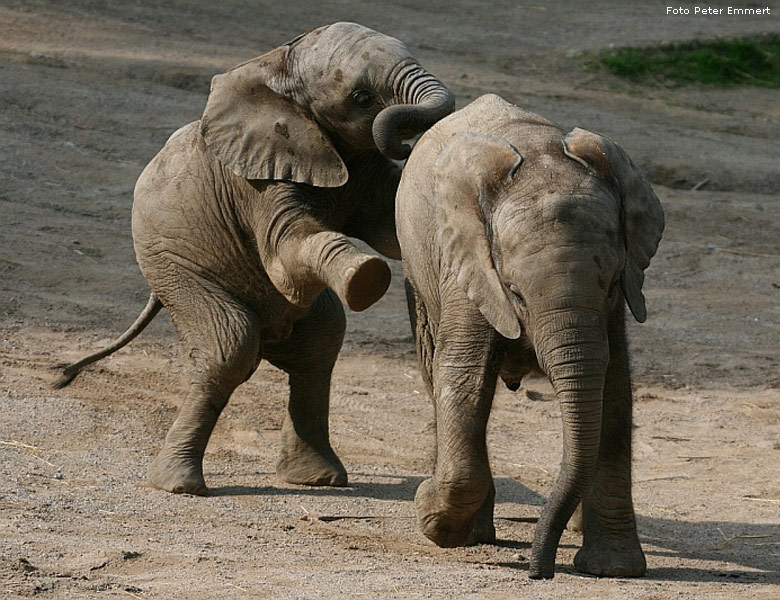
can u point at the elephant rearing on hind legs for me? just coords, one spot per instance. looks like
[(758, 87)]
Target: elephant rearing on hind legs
[(240, 227), (521, 243)]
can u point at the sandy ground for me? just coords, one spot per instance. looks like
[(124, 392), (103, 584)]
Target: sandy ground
[(90, 90)]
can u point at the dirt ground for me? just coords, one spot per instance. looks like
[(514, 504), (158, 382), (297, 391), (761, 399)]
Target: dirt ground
[(91, 89)]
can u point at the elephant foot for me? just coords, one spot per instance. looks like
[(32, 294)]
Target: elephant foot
[(306, 466), (177, 475), (450, 531), (366, 283), (611, 556)]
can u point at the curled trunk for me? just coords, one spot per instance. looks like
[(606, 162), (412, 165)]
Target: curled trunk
[(423, 101)]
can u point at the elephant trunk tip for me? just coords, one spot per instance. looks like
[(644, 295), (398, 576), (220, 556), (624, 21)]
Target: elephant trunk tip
[(391, 146), (387, 138), (537, 572)]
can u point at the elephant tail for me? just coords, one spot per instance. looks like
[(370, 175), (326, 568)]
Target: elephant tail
[(69, 372)]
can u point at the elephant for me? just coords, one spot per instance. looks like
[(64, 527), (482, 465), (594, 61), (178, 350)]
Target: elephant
[(241, 227), (520, 244)]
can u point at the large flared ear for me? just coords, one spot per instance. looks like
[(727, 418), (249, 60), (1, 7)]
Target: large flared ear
[(467, 175), (643, 216), (261, 134)]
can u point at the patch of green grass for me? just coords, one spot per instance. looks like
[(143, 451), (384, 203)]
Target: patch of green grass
[(722, 63)]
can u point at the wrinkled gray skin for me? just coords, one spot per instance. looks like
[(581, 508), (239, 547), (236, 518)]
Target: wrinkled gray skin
[(240, 223), (520, 244)]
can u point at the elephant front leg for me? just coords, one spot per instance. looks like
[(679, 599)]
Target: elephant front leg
[(359, 279), (455, 506), (308, 356), (309, 259), (610, 544)]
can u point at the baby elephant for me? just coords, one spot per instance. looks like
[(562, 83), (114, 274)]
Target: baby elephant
[(241, 225), (521, 243)]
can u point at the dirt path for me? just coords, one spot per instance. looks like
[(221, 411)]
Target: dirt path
[(89, 91)]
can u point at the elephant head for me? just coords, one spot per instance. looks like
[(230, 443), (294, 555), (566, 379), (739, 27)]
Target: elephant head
[(490, 224), (546, 244), (298, 112)]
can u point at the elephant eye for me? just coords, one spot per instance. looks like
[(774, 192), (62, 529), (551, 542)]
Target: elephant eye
[(516, 293), (363, 98), (614, 285)]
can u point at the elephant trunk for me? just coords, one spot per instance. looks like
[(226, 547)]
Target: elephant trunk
[(575, 358), (423, 101)]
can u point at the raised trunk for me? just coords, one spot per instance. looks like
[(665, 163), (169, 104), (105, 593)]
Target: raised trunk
[(423, 101), (575, 358)]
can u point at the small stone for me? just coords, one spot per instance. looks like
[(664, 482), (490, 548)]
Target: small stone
[(518, 557)]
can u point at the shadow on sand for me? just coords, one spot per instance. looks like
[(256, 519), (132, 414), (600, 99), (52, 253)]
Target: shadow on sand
[(752, 551)]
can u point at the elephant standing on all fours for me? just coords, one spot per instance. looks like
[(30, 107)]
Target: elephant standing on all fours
[(521, 244), (241, 223)]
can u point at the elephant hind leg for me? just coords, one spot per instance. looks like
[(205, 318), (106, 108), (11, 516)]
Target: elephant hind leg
[(224, 342), (308, 357)]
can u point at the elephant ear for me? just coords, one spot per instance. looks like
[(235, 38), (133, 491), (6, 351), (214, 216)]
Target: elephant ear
[(260, 134), (643, 216), (467, 175)]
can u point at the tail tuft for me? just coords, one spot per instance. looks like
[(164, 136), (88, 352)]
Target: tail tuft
[(67, 375), (70, 371)]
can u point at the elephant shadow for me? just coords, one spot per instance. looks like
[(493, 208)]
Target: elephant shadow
[(751, 550), (712, 541), (376, 486), (365, 485), (716, 542)]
